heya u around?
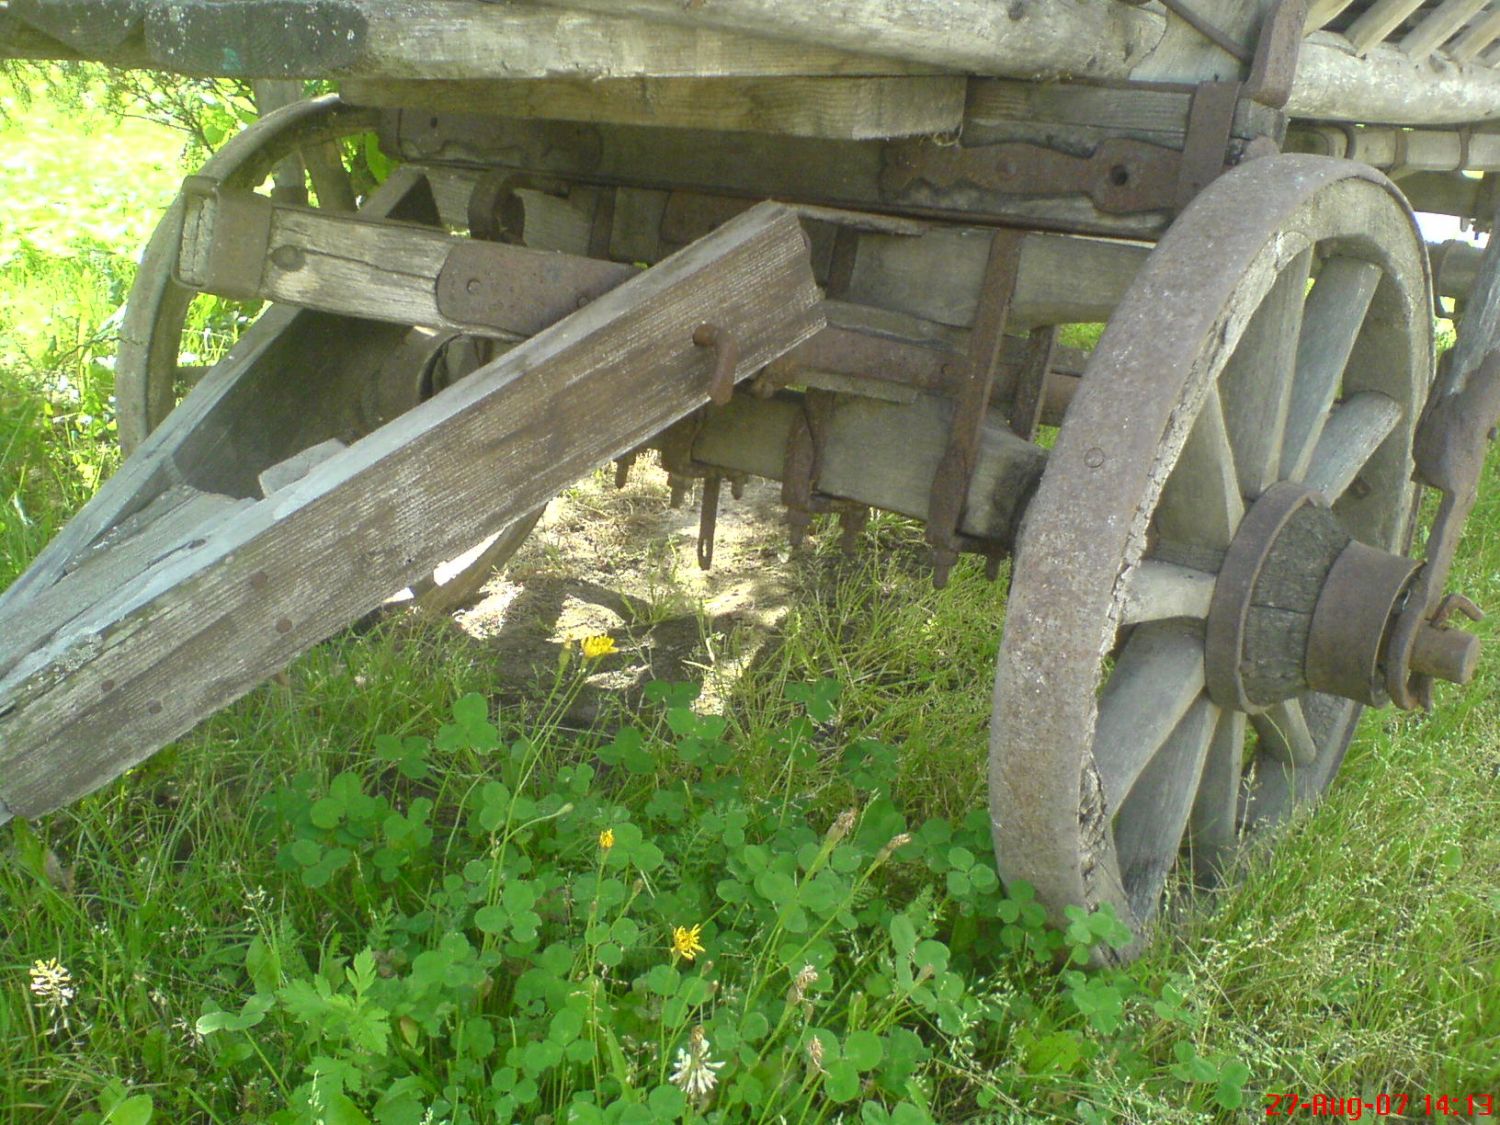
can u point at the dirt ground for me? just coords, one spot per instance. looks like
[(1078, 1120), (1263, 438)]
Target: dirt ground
[(623, 562)]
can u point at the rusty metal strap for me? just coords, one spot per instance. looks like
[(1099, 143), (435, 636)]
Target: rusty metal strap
[(950, 484), (1120, 176), (1210, 121), (226, 239)]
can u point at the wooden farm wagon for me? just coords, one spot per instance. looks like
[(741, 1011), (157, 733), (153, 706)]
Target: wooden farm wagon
[(828, 243)]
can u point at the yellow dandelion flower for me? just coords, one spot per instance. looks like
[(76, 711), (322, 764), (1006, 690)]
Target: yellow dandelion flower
[(685, 943), (607, 839), (595, 647)]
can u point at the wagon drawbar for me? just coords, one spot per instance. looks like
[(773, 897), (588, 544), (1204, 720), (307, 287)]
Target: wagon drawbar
[(837, 253)]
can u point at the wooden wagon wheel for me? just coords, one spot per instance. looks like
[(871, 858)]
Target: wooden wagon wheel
[(1121, 738), (149, 374)]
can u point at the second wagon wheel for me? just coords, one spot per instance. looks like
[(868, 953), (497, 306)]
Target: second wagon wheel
[(1152, 697), (149, 372)]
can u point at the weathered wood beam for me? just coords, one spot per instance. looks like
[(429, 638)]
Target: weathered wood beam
[(842, 108), (157, 651), (1078, 38), (1385, 85), (433, 39), (861, 459)]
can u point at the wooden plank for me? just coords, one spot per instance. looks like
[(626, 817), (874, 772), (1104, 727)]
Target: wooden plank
[(1476, 37), (1080, 38), (1379, 20), (210, 626), (1151, 112), (855, 108), (1061, 280), (1438, 26), (1323, 12)]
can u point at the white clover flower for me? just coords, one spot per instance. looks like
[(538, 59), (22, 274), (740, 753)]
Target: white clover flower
[(696, 1074)]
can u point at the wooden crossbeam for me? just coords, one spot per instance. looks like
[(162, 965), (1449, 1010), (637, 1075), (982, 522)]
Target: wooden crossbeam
[(1079, 38), (158, 650), (239, 244), (846, 108)]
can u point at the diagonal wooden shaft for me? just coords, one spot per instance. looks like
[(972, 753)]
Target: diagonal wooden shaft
[(156, 651)]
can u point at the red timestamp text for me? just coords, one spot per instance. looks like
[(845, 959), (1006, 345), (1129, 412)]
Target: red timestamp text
[(1406, 1106)]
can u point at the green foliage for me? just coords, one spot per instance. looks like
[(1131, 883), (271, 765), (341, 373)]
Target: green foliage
[(508, 947)]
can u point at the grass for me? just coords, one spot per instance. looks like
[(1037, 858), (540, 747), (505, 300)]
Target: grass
[(365, 892)]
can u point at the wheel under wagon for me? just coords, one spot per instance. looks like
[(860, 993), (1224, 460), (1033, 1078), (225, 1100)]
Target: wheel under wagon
[(850, 233)]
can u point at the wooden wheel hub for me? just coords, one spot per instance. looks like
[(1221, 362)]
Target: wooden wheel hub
[(1300, 605)]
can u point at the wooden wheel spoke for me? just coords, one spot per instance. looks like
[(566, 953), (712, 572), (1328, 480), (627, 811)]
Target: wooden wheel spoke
[(1352, 434), (330, 179), (1150, 826), (1216, 806), (1200, 503), (1257, 381), (1157, 678), (1159, 590), (1284, 735), (1331, 322)]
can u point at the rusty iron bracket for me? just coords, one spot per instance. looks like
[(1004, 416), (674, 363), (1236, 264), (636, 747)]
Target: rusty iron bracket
[(950, 483), (1124, 175), (1453, 434), (1205, 149), (1120, 176), (802, 461), (1273, 67), (496, 213), (708, 520), (231, 260), (726, 360)]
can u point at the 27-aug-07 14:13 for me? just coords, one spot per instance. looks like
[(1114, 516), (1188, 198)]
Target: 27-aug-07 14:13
[(1382, 1105)]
